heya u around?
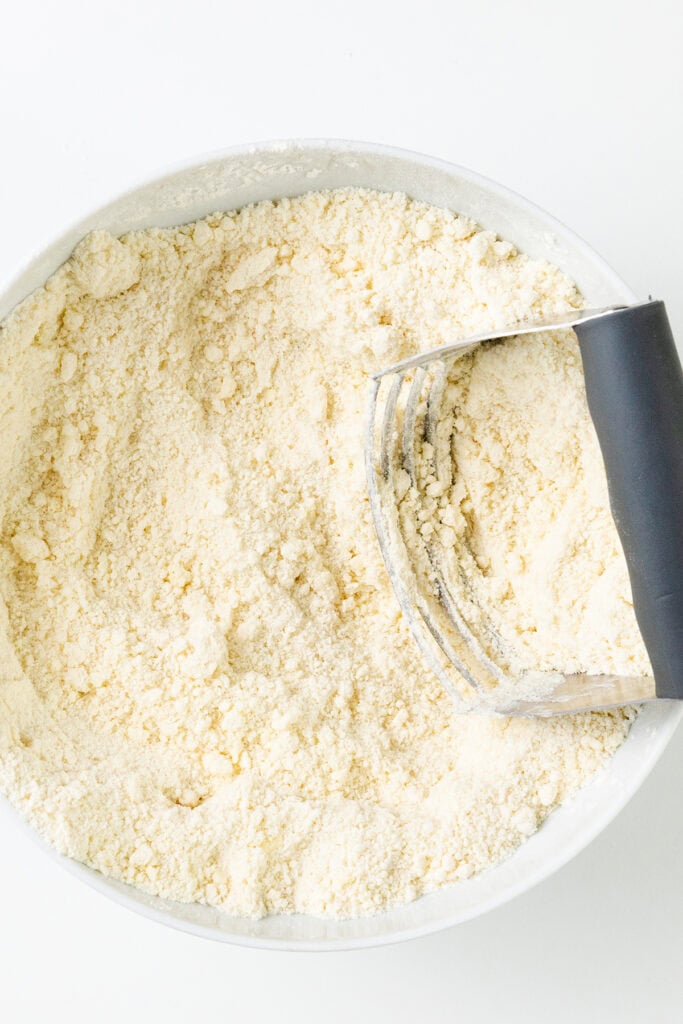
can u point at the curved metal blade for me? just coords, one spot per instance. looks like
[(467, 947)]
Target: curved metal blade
[(562, 322), (437, 615)]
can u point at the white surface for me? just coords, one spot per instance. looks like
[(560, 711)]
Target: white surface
[(577, 109)]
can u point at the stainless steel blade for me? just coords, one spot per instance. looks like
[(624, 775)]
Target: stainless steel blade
[(438, 613)]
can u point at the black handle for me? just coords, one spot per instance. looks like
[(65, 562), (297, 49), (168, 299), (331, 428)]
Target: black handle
[(634, 385)]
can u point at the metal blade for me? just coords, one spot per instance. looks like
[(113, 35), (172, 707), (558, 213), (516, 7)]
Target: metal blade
[(561, 322), (586, 693), (436, 612)]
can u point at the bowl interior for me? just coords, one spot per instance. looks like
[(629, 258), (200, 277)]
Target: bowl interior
[(249, 174)]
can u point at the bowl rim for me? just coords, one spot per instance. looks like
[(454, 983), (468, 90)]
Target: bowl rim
[(664, 730), (282, 145)]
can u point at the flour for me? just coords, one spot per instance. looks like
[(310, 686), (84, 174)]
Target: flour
[(526, 510), (206, 686), (508, 496)]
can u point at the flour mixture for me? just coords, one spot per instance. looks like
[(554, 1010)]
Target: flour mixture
[(511, 487), (206, 688)]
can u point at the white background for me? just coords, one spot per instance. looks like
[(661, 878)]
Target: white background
[(578, 107)]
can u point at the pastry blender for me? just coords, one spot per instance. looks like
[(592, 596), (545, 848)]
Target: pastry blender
[(634, 387)]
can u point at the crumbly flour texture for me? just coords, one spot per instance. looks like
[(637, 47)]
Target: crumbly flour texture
[(206, 687), (511, 487)]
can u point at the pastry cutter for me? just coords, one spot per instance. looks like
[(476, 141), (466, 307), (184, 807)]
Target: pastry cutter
[(634, 387)]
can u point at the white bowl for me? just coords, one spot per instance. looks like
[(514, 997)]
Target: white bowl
[(245, 175)]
